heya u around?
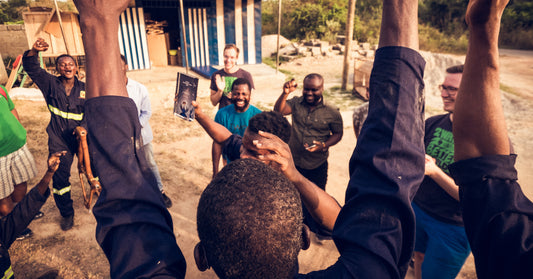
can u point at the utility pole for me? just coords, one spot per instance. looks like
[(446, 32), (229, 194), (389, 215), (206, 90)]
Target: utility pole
[(279, 34), (348, 43), (61, 26)]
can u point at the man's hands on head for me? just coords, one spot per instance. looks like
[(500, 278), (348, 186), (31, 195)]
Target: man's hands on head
[(280, 156)]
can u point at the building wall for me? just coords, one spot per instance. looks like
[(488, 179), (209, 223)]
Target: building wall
[(13, 40)]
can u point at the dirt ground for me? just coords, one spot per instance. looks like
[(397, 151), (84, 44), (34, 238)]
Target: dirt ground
[(182, 151)]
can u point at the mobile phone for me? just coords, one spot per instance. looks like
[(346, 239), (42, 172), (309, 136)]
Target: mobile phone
[(311, 146)]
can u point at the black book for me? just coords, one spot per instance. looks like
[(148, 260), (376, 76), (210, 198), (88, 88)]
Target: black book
[(186, 90)]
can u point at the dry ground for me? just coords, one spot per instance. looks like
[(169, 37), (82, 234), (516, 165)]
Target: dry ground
[(182, 151)]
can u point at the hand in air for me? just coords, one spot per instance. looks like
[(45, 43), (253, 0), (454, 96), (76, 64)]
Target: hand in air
[(289, 86), (54, 160), (40, 45)]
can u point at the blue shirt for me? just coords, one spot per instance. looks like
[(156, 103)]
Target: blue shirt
[(235, 122)]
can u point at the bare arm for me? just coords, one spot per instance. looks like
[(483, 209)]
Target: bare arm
[(323, 207), (479, 125), (215, 130), (399, 24), (281, 102), (39, 45), (104, 72), (216, 95), (441, 178), (53, 165)]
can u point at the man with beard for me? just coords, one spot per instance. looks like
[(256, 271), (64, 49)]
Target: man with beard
[(315, 127), (235, 117), (65, 98), (221, 90)]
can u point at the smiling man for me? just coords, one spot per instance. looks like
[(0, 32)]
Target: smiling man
[(441, 245), (315, 127), (235, 117), (65, 97)]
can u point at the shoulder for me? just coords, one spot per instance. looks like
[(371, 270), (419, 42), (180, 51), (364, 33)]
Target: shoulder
[(254, 109), (295, 100), (332, 109), (219, 72), (437, 119)]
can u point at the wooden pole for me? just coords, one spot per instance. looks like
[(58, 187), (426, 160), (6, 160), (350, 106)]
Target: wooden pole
[(182, 15), (279, 34), (61, 27), (348, 43)]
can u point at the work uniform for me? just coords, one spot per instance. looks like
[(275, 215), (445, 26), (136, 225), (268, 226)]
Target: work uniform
[(66, 113), (134, 229), (14, 223)]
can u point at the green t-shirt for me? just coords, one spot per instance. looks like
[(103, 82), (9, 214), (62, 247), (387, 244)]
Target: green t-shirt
[(12, 134)]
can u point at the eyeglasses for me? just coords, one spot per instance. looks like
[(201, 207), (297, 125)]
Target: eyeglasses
[(449, 89)]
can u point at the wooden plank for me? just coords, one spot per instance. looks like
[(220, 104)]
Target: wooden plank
[(13, 76), (38, 23)]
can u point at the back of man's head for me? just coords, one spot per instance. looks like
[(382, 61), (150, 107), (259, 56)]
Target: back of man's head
[(250, 222), (272, 122)]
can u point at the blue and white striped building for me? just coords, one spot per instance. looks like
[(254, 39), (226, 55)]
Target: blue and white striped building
[(209, 26)]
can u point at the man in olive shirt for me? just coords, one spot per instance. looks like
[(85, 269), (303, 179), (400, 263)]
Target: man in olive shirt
[(316, 126)]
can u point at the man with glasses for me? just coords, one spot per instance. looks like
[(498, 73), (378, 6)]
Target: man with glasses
[(441, 245)]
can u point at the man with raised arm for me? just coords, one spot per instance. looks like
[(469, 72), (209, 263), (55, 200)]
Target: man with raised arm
[(374, 231), (134, 229), (65, 98), (498, 217)]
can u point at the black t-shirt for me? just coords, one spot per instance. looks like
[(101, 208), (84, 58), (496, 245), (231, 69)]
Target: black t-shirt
[(229, 79), (430, 197)]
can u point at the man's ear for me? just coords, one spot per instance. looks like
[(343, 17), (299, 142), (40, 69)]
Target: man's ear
[(306, 239), (200, 257)]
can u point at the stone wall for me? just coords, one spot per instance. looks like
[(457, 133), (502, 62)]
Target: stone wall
[(14, 41)]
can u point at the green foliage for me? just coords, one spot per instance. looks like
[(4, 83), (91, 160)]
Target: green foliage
[(306, 19), (433, 40), (11, 10)]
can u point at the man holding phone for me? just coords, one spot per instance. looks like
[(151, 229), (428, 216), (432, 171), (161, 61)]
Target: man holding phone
[(316, 126)]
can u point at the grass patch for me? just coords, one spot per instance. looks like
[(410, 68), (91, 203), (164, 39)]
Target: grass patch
[(269, 61), (343, 99), (509, 90)]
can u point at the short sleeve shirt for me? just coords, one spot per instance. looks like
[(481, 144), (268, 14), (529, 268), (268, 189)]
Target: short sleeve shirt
[(308, 126), (229, 79), (235, 122), (12, 133), (430, 197)]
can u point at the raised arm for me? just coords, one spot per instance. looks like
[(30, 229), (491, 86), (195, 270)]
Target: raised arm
[(134, 228), (479, 125), (281, 102), (100, 40), (216, 94), (216, 131)]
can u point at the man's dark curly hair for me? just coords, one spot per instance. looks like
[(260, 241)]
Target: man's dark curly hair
[(272, 122), (250, 222), (241, 81)]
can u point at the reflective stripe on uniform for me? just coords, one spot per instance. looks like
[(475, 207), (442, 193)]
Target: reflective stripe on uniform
[(61, 192), (66, 115), (8, 273)]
